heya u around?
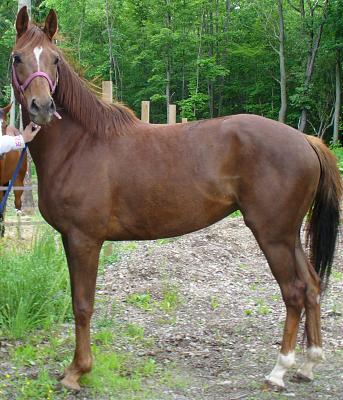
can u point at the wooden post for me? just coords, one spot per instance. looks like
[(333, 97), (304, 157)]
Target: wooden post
[(145, 111), (172, 114), (184, 120), (107, 90)]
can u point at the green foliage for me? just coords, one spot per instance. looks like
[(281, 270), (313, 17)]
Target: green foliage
[(338, 151), (34, 286), (220, 61)]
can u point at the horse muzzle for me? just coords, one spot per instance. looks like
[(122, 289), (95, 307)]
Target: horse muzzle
[(41, 112)]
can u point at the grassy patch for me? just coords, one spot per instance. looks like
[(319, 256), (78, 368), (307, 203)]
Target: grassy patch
[(140, 300), (34, 285), (338, 151), (169, 301), (235, 214), (115, 372)]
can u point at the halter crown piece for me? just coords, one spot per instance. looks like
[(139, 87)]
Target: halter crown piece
[(23, 87)]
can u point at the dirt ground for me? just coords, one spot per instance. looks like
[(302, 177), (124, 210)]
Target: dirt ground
[(223, 337)]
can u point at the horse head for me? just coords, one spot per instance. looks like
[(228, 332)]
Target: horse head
[(35, 66)]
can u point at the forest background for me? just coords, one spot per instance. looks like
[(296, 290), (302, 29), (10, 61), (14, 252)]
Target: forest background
[(278, 58)]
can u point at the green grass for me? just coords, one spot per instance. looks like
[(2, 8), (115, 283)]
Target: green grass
[(338, 151), (34, 285), (169, 301)]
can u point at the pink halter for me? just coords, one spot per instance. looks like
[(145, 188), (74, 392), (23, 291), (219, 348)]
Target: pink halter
[(24, 86)]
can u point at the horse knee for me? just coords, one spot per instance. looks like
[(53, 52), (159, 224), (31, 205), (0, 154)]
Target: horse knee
[(82, 313)]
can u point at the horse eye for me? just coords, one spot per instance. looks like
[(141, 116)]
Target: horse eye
[(16, 59), (57, 59)]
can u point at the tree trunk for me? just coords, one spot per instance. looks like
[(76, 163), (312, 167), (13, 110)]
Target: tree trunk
[(283, 78), (83, 13), (225, 55), (312, 53), (168, 61), (338, 97), (113, 69)]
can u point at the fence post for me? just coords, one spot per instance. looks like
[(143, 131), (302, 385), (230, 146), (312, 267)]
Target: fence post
[(184, 120), (172, 114), (107, 90), (145, 111)]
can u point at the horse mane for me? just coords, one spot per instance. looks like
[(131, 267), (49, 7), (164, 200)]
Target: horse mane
[(74, 95)]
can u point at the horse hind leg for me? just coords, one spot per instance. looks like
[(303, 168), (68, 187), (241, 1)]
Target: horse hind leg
[(312, 325), (281, 259), (278, 245)]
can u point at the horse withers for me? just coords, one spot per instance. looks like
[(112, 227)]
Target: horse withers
[(8, 164), (117, 178)]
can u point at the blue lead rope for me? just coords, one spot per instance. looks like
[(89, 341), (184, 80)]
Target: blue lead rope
[(14, 177)]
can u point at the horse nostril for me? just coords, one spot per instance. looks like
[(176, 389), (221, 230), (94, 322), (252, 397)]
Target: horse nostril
[(52, 106), (34, 108)]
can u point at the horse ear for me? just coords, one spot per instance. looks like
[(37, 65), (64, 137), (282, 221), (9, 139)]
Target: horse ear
[(51, 25), (22, 22), (7, 109)]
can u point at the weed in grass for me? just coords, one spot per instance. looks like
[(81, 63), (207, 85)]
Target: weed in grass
[(262, 308), (170, 298), (134, 331), (235, 214), (163, 241), (248, 312), (140, 300), (130, 246), (214, 303), (276, 297), (104, 337)]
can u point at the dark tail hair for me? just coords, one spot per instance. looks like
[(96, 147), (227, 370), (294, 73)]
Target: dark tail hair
[(324, 218)]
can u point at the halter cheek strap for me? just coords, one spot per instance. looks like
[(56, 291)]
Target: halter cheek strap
[(24, 86)]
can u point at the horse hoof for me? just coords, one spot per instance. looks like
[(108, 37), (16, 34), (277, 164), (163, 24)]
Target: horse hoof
[(298, 377), (272, 386), (70, 384)]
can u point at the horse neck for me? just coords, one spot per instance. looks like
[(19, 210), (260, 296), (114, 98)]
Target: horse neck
[(54, 141)]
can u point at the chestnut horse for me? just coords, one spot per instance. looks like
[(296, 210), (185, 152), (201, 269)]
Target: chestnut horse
[(105, 175), (8, 164)]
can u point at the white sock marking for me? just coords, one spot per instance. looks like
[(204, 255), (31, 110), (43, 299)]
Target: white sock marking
[(37, 52), (284, 362), (314, 356)]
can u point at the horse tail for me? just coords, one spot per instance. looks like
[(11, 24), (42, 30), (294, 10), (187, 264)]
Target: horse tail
[(324, 216)]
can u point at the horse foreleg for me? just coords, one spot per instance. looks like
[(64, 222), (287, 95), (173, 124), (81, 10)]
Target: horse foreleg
[(83, 257)]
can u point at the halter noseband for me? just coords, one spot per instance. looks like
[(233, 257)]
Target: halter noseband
[(24, 86)]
